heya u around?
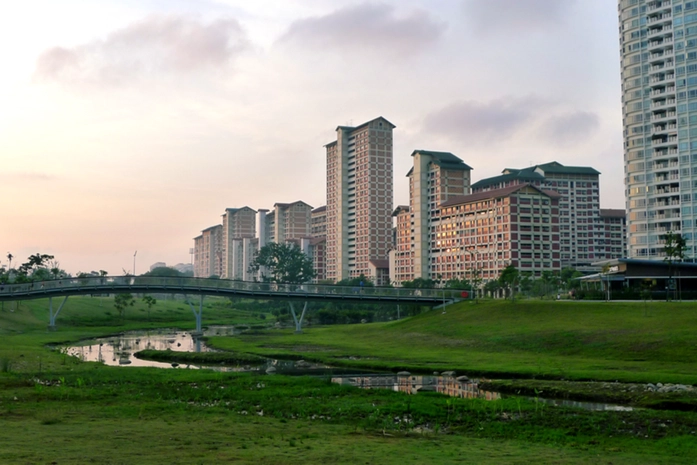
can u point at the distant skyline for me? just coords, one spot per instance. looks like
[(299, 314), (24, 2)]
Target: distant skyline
[(132, 124)]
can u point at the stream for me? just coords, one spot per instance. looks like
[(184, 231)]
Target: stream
[(119, 350)]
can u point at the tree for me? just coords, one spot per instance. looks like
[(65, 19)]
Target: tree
[(508, 279), (674, 251), (149, 301), (122, 302), (360, 281), (10, 257), (283, 264), (419, 283), (165, 272)]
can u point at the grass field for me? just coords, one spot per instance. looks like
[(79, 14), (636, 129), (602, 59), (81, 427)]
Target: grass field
[(54, 409), (628, 342)]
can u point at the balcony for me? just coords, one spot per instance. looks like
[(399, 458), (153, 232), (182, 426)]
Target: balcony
[(658, 6), (659, 18)]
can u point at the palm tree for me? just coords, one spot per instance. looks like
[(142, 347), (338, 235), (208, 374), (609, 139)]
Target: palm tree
[(10, 257)]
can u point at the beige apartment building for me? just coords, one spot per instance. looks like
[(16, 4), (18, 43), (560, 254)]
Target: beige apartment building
[(288, 221), (238, 229), (612, 242), (582, 229), (436, 177), (208, 256), (319, 222), (487, 231), (359, 199)]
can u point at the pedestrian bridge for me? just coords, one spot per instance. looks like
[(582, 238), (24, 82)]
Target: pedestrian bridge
[(224, 288)]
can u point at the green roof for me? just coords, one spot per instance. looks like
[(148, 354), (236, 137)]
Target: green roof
[(521, 175), (443, 159), (534, 173), (556, 167)]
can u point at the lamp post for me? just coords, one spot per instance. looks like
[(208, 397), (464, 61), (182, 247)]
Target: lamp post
[(134, 262)]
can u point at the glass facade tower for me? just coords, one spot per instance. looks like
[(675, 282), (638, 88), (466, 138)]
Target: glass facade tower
[(658, 44)]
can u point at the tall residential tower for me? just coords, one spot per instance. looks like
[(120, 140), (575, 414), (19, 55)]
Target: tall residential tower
[(658, 44), (359, 199)]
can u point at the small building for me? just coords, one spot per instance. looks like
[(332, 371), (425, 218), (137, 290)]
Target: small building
[(641, 274)]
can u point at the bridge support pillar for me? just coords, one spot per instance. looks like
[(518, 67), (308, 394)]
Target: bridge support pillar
[(52, 316), (197, 314), (298, 322)]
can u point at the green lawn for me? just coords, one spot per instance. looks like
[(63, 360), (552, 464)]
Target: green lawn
[(571, 340), (55, 409)]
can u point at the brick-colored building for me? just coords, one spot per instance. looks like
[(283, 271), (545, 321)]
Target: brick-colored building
[(238, 225), (359, 198), (489, 230), (435, 178), (208, 256), (581, 226)]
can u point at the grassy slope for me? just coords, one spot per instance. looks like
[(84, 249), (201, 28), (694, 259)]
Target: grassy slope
[(571, 340), (117, 415)]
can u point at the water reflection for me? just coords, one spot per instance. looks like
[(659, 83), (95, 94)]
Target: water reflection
[(120, 349), (413, 384)]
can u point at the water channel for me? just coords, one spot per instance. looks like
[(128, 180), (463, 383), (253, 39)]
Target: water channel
[(120, 350)]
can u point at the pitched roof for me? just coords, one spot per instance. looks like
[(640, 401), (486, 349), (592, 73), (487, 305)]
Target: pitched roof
[(613, 213), (556, 167), (400, 209), (212, 227), (380, 263), (509, 175), (445, 160), (320, 209), (285, 205), (352, 128), (493, 194)]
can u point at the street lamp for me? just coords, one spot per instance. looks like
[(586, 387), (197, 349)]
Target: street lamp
[(134, 262)]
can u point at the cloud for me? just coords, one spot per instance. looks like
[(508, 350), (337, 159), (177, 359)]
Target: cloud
[(366, 28), (571, 128), (483, 122), (157, 44), (515, 16)]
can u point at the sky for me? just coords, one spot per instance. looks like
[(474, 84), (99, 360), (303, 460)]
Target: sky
[(130, 125)]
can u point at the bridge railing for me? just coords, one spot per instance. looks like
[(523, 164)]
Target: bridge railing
[(181, 285)]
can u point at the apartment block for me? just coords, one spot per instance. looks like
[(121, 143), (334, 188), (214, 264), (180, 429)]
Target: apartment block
[(359, 198), (319, 222), (208, 255), (612, 242), (288, 221), (435, 177), (581, 227), (659, 115), (238, 225), (489, 230)]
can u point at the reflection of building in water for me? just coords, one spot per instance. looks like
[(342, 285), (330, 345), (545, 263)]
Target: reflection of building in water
[(468, 390), (409, 384)]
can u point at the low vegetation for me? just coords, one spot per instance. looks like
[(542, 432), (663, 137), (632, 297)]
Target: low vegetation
[(54, 408)]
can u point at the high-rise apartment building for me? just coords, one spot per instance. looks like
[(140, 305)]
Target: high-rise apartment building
[(658, 49), (288, 221), (208, 255), (580, 224), (359, 199), (435, 177), (239, 227)]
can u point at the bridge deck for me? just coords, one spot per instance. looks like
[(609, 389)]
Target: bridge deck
[(225, 288)]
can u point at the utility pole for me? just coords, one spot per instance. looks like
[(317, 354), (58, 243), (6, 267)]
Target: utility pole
[(134, 262)]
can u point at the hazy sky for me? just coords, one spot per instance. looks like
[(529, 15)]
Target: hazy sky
[(132, 124)]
